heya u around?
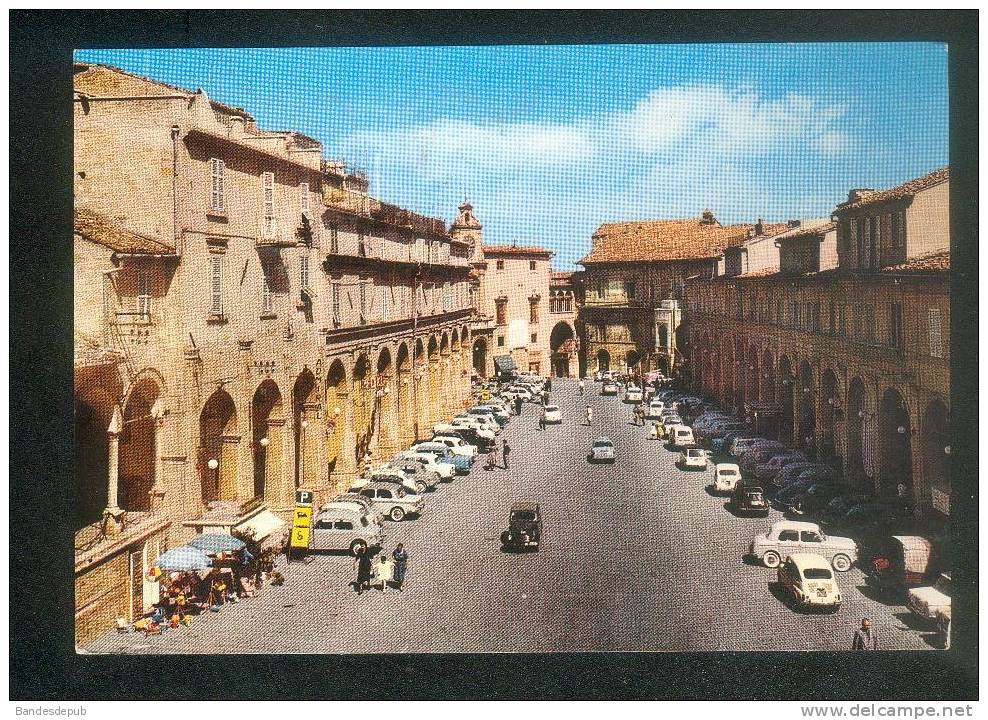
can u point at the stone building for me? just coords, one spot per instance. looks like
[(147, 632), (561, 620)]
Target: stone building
[(849, 360), (635, 276), (248, 320), (564, 339)]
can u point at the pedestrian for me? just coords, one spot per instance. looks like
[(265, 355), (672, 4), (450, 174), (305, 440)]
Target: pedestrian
[(400, 557), (542, 422), (589, 415), (505, 449), (368, 462), (580, 385), (545, 398), (383, 570), (518, 405), (548, 384), (362, 563), (491, 458), (865, 638)]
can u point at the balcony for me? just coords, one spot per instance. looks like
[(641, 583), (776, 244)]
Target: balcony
[(271, 234)]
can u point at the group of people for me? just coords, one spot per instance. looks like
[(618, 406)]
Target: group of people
[(381, 571), (492, 454)]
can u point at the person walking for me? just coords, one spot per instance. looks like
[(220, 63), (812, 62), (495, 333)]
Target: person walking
[(865, 637), (589, 415), (580, 385), (518, 405), (362, 562), (505, 449), (400, 557), (545, 398), (383, 570), (491, 458), (548, 383), (542, 421)]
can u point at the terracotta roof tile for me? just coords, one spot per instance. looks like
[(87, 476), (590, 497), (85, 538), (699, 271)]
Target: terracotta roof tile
[(668, 240), (933, 262), (906, 189), (99, 229), (517, 250), (808, 228)]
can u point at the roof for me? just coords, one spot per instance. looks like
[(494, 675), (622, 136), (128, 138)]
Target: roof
[(667, 240), (97, 80), (938, 262), (525, 505), (808, 229), (905, 190), (806, 561), (99, 229), (533, 250), (794, 525)]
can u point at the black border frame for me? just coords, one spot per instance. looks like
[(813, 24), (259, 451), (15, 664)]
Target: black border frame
[(43, 663)]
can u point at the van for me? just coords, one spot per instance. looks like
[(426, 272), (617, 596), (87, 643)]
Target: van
[(681, 436)]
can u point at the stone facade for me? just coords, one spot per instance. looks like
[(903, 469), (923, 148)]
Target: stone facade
[(850, 362), (564, 340), (249, 320)]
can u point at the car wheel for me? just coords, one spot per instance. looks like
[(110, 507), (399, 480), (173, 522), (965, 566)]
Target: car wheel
[(397, 514), (357, 546), (842, 563), (420, 486), (771, 559)]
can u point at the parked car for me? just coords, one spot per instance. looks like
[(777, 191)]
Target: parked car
[(722, 445), (633, 394), (609, 388), (759, 456), (654, 410), (726, 476), (478, 426), (445, 454), (356, 500), (692, 459), (489, 412), (523, 391), (787, 537), (743, 443), (749, 500), (434, 462), (342, 527), (806, 578), (814, 499), (393, 502), (783, 498), (719, 430), (484, 422), (790, 474), (392, 475), (602, 450), (768, 470), (524, 527), (551, 414), (681, 436), (457, 445), (759, 445), (669, 423), (872, 518), (904, 562), (928, 601)]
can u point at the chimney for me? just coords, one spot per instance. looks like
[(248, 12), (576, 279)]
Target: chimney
[(236, 126), (858, 194), (792, 223), (759, 228)]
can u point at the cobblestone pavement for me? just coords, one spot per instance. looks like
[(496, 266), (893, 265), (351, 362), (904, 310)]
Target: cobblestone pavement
[(636, 557)]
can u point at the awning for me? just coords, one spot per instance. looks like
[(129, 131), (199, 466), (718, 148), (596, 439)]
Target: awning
[(261, 525), (504, 363)]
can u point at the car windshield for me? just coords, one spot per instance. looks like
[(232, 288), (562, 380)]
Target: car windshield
[(551, 408), (603, 443), (754, 496), (817, 574), (694, 453), (728, 471), (523, 515)]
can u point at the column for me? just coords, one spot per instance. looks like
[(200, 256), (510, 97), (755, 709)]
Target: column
[(346, 463), (157, 493), (277, 485), (113, 513), (405, 394)]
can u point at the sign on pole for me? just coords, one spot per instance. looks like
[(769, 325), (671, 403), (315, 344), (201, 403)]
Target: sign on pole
[(302, 520)]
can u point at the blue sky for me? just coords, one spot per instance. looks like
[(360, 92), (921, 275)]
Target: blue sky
[(549, 142)]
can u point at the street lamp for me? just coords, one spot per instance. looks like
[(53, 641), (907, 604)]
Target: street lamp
[(946, 450), (213, 463), (901, 430), (264, 442)]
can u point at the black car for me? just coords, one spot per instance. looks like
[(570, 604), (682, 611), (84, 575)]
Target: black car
[(470, 436), (524, 527), (749, 500)]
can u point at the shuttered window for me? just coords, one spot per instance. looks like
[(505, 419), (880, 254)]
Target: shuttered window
[(217, 202), (936, 337), (216, 284), (267, 297), (267, 180), (303, 271), (143, 295), (304, 189), (336, 303)]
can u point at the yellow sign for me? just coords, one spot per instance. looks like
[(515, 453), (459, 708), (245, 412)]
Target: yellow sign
[(303, 517), (300, 537)]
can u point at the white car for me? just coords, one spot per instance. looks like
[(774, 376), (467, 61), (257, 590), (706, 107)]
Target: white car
[(481, 428), (927, 601), (681, 436), (458, 445), (525, 393), (388, 475), (551, 414), (787, 537), (654, 411), (500, 412), (430, 463), (602, 450), (633, 394), (693, 459), (726, 476), (481, 422)]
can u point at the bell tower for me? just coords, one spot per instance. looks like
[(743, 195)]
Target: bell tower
[(467, 228)]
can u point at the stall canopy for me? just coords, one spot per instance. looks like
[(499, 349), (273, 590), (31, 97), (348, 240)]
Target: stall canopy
[(504, 364), (183, 558), (261, 525), (212, 543)]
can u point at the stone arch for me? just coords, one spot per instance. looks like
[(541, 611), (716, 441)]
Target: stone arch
[(856, 412), (480, 357), (305, 411), (218, 441), (807, 408), (830, 411), (454, 339), (786, 394), (562, 348), (934, 450), (267, 438), (603, 360), (403, 397), (465, 337), (421, 390), (336, 398), (137, 449), (894, 441), (362, 394), (94, 405), (385, 405), (631, 360)]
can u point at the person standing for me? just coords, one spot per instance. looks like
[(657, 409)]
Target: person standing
[(383, 571), (589, 415), (491, 458), (400, 557), (580, 385), (542, 421), (865, 637), (548, 383), (362, 562), (518, 405), (505, 449), (545, 398)]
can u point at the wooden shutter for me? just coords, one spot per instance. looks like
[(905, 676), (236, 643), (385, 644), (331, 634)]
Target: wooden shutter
[(217, 201), (936, 337), (216, 284)]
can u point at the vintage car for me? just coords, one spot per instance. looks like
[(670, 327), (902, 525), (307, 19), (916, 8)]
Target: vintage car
[(602, 450), (787, 537), (903, 562), (524, 527), (692, 459), (609, 388), (423, 479), (749, 500), (344, 527), (390, 475), (457, 445), (928, 601), (444, 454), (432, 462), (768, 470), (633, 394), (500, 417), (480, 442), (807, 580), (681, 436), (654, 410), (393, 502), (551, 414), (357, 500), (726, 476)]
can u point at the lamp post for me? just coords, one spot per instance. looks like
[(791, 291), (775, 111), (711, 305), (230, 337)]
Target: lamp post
[(301, 453)]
